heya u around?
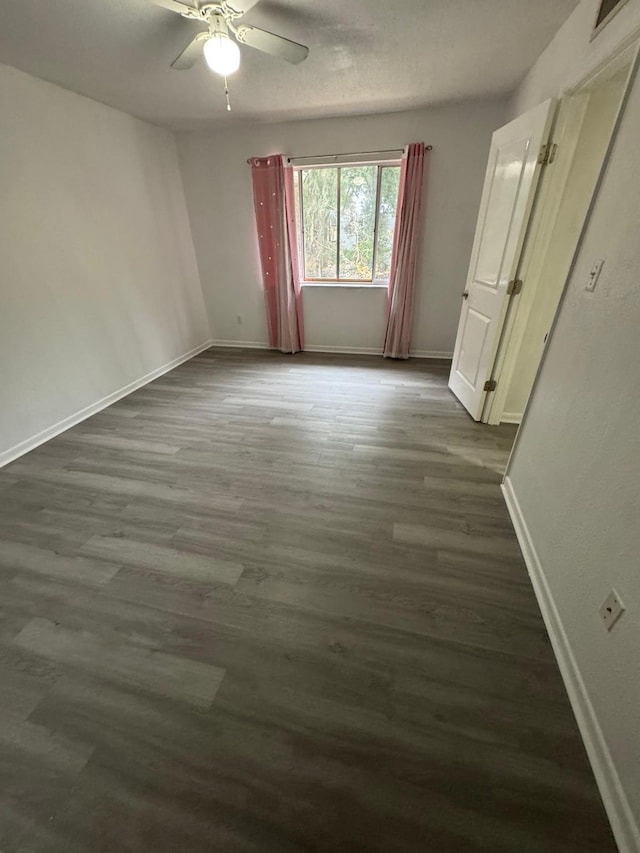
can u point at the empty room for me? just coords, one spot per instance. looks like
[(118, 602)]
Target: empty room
[(319, 479)]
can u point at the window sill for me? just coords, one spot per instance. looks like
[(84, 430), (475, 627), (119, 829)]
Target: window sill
[(343, 285)]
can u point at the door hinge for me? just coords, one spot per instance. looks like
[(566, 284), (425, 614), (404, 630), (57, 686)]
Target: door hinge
[(490, 385), (514, 287), (547, 154)]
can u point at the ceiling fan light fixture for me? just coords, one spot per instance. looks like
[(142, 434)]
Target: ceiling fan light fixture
[(222, 54)]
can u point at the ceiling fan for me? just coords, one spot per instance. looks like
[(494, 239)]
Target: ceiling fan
[(221, 52)]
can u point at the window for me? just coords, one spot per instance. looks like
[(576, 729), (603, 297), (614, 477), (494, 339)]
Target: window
[(345, 218)]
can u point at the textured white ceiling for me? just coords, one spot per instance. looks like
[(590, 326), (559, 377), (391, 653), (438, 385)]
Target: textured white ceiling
[(366, 55)]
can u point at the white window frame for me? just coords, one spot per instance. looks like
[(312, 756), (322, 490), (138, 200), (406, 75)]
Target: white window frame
[(333, 281)]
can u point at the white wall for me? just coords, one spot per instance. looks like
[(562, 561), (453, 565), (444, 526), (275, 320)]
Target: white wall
[(218, 187), (575, 470), (571, 56), (99, 280)]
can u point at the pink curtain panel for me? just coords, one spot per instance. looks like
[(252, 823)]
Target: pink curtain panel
[(406, 238), (273, 198)]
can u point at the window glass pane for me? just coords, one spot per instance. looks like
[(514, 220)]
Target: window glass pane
[(357, 219), (389, 183), (320, 213)]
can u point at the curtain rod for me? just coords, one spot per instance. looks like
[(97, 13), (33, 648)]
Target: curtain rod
[(349, 154)]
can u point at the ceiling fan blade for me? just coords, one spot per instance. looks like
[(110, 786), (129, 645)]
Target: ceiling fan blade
[(191, 53), (270, 43), (241, 6), (174, 6)]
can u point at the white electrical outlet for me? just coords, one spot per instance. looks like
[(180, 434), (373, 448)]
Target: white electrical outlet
[(611, 610), (594, 275)]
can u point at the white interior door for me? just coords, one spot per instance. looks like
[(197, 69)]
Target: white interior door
[(509, 190)]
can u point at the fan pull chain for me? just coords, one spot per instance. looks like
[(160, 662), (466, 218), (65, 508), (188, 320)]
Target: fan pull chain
[(226, 92)]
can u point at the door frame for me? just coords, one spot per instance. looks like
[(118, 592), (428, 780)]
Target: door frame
[(565, 135), (632, 41), (544, 216)]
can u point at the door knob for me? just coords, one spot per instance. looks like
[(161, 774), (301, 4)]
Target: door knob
[(465, 295)]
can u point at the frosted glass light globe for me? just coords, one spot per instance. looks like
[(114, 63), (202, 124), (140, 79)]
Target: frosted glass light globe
[(222, 54)]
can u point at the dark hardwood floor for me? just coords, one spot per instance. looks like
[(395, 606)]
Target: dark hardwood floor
[(274, 603)]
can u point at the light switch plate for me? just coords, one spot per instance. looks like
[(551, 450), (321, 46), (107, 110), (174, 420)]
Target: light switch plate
[(611, 610), (594, 275)]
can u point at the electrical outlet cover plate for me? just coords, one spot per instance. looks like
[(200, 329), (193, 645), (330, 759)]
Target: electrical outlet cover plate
[(611, 610)]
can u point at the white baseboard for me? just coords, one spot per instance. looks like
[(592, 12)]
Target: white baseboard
[(377, 351), (510, 418), (240, 344), (623, 824), (50, 432), (311, 348), (332, 349), (344, 350), (427, 353)]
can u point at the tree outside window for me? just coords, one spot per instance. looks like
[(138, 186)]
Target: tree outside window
[(346, 216)]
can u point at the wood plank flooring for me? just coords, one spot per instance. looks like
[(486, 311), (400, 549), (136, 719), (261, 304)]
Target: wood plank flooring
[(274, 603)]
